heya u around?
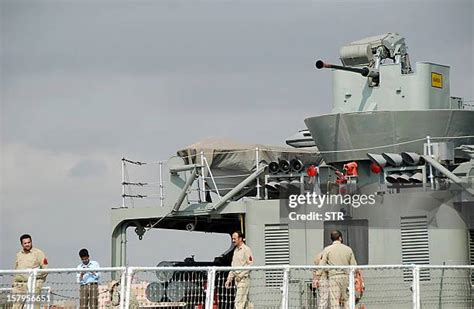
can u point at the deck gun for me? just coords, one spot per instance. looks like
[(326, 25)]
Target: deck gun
[(365, 56)]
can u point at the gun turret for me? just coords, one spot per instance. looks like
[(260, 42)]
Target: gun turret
[(365, 71), (365, 56)]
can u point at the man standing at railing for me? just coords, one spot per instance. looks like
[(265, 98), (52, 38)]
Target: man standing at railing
[(321, 283), (28, 258), (89, 281), (337, 254), (242, 257)]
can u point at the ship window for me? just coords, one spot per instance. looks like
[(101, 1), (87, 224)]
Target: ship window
[(355, 234), (277, 252), (415, 245), (307, 134)]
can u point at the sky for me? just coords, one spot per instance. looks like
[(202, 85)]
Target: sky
[(85, 83)]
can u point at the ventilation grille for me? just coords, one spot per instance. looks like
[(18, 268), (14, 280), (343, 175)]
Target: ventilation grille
[(471, 252), (415, 245), (277, 252)]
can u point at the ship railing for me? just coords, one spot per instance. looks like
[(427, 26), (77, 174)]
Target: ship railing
[(271, 286), (58, 288), (207, 183), (469, 105)]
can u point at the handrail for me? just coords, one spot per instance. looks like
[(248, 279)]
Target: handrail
[(215, 273)]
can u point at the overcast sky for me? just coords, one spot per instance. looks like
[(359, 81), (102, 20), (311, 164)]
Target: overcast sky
[(84, 83)]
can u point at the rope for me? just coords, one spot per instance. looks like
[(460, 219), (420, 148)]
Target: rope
[(63, 296), (398, 144), (152, 195), (141, 184), (454, 137), (161, 219), (133, 162), (75, 297), (375, 147), (127, 179), (134, 195)]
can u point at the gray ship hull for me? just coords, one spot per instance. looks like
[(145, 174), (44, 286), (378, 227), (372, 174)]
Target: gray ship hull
[(365, 130)]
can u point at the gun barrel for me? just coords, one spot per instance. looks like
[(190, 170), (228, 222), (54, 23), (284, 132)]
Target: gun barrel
[(365, 71)]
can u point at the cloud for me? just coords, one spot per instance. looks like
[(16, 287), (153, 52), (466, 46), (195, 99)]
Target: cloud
[(39, 197), (82, 113), (85, 168)]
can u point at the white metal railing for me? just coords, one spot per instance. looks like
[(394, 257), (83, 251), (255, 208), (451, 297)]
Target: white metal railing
[(469, 105), (281, 286)]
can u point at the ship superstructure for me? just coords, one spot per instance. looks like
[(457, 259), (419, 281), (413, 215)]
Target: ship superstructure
[(395, 136)]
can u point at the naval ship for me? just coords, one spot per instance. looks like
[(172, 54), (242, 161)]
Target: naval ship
[(395, 135)]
